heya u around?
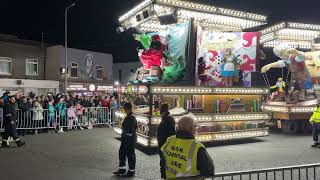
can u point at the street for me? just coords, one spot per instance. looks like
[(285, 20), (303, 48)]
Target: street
[(93, 154)]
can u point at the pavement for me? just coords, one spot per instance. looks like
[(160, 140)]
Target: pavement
[(93, 154)]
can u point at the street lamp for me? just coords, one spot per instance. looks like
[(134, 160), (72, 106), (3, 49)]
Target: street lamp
[(66, 45)]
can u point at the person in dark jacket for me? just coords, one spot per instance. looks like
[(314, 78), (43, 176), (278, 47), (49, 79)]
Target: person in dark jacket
[(25, 113), (10, 117), (166, 129), (128, 142), (185, 132)]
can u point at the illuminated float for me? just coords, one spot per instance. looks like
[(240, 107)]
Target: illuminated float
[(190, 53), (292, 109)]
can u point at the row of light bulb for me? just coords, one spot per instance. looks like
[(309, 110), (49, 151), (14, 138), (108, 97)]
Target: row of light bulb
[(311, 27), (207, 90), (188, 4), (124, 89), (231, 135), (234, 117), (298, 33), (135, 10), (217, 27), (218, 19), (274, 28), (245, 117), (212, 9), (294, 34), (292, 44), (216, 23), (304, 26), (267, 37), (141, 119), (142, 140), (286, 109), (191, 90), (156, 120), (211, 21), (303, 109), (275, 108), (152, 25), (149, 26), (245, 91)]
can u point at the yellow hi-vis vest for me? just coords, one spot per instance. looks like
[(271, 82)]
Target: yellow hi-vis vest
[(181, 157), (315, 118)]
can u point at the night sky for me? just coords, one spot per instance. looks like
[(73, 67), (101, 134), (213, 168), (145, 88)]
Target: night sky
[(92, 23)]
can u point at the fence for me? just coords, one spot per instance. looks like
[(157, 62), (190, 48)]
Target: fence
[(36, 119), (299, 172)]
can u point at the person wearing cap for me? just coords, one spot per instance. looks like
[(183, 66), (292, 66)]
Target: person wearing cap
[(185, 156), (128, 142), (315, 122), (10, 117), (166, 129)]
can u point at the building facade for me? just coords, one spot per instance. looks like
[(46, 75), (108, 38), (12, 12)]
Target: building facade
[(22, 66), (122, 72), (87, 72)]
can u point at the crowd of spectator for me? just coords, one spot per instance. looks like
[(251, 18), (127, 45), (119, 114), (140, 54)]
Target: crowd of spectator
[(59, 109)]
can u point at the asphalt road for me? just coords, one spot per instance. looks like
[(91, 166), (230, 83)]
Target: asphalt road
[(93, 154)]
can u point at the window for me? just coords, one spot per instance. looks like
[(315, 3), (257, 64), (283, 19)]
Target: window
[(74, 70), (120, 75), (32, 67), (5, 65), (99, 70)]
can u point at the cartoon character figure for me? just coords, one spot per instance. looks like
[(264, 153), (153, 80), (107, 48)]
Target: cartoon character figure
[(280, 85), (203, 72), (293, 93), (229, 68), (295, 61)]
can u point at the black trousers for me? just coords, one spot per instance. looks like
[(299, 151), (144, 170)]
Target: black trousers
[(10, 130), (315, 131), (127, 151), (162, 165)]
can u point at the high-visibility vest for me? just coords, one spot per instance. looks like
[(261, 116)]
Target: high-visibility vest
[(181, 157), (315, 118)]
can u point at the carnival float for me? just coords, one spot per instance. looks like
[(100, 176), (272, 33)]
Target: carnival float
[(296, 94), (198, 59)]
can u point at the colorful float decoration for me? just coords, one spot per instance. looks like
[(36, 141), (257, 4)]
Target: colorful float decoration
[(292, 111), (225, 59), (177, 63)]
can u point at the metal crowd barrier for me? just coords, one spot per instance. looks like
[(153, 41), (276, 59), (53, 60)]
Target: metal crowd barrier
[(35, 119), (1, 119), (298, 172)]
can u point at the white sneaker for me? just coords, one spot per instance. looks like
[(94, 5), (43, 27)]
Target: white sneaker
[(61, 130), (81, 128)]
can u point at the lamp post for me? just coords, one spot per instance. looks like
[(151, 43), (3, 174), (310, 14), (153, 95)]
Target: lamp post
[(66, 45)]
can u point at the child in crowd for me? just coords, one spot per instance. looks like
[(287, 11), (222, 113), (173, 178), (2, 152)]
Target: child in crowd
[(37, 116), (71, 112), (51, 115), (61, 109)]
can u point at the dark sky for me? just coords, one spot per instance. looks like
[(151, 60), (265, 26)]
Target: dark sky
[(92, 23)]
